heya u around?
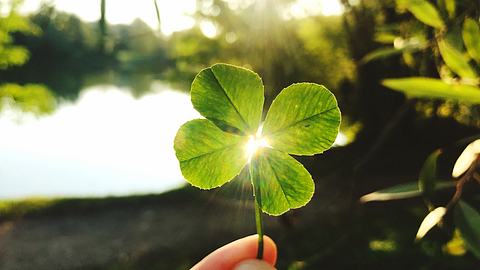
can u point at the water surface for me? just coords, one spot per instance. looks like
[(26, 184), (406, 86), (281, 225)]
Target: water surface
[(105, 143)]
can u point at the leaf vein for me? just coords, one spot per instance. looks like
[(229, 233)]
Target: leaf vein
[(305, 119), (211, 152), (279, 182), (229, 99)]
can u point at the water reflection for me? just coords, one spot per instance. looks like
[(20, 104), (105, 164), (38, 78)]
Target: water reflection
[(106, 143)]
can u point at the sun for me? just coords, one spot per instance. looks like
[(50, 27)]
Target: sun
[(255, 143)]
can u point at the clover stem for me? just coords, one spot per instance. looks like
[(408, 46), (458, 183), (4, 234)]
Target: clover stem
[(258, 213)]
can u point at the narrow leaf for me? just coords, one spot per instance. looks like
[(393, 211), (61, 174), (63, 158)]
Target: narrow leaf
[(208, 156), (402, 191), (428, 174), (466, 158), (229, 96), (284, 182), (380, 53), (432, 219), (157, 12), (303, 120), (467, 220), (451, 7), (434, 88), (425, 12), (456, 61), (400, 46), (471, 38)]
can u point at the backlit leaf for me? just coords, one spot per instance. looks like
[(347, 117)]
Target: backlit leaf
[(208, 156), (402, 191), (284, 182), (434, 88), (380, 53), (400, 46), (471, 38), (432, 219), (425, 12), (455, 60), (428, 174), (229, 96), (467, 220), (303, 120), (451, 7), (466, 158)]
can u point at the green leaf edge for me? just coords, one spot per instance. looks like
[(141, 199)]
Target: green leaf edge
[(179, 161), (460, 221), (336, 107), (246, 127), (299, 205)]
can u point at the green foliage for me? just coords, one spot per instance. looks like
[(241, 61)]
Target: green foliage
[(451, 7), (440, 64), (428, 175), (381, 53), (303, 119), (402, 46), (402, 191), (434, 88), (456, 60), (200, 144), (467, 220), (283, 182), (9, 209), (11, 54), (471, 38), (218, 93), (424, 11), (32, 98)]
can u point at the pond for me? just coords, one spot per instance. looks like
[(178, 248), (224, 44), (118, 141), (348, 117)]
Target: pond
[(106, 142)]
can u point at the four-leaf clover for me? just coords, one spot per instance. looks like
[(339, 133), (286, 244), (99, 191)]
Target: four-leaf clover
[(303, 120)]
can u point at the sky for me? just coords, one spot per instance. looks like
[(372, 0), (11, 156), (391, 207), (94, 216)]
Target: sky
[(174, 13)]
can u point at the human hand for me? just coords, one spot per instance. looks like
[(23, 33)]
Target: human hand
[(241, 255)]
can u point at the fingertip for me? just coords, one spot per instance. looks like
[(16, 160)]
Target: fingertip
[(253, 265), (269, 251), (226, 257)]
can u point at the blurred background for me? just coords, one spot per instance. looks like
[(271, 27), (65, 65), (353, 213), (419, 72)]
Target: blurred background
[(92, 93)]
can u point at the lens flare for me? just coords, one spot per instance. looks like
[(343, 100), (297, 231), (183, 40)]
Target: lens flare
[(254, 143)]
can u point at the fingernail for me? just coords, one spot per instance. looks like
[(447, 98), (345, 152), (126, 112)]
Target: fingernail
[(253, 265)]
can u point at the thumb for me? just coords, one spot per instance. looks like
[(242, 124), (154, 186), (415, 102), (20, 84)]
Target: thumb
[(253, 265)]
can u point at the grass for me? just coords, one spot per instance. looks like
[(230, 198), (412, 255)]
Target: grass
[(12, 209)]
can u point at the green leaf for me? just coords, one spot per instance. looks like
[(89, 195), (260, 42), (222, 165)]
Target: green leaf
[(450, 6), (402, 46), (425, 12), (380, 53), (428, 174), (229, 96), (402, 191), (303, 120), (208, 156), (455, 60), (434, 88), (467, 220), (284, 182), (471, 38)]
